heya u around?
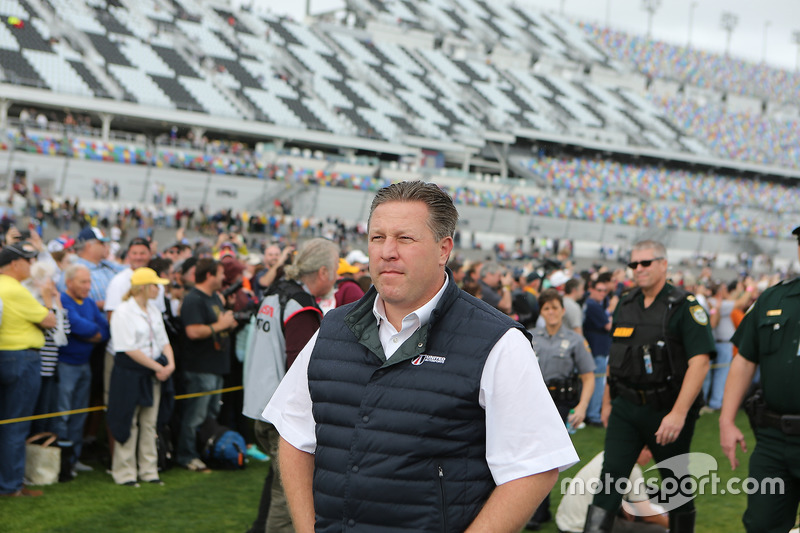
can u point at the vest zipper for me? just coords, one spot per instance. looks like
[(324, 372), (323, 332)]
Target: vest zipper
[(444, 506)]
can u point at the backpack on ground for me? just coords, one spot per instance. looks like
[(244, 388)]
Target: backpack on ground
[(221, 447)]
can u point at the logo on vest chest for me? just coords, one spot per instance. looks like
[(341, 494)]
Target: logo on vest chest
[(418, 360)]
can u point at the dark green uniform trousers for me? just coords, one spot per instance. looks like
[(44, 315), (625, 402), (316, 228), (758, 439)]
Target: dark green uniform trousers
[(630, 428), (772, 506)]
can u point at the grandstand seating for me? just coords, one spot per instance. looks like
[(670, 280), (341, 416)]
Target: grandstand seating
[(227, 62), (598, 190), (695, 67)]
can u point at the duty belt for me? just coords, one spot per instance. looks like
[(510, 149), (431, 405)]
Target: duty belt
[(659, 398), (788, 424)]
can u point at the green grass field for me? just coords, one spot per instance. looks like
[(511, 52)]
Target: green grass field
[(224, 501)]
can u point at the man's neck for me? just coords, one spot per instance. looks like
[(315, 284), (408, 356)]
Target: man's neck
[(204, 288), (651, 293), (74, 296), (11, 274), (90, 260)]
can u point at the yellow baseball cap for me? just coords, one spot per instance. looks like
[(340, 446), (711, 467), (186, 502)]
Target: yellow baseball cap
[(146, 276), (346, 268)]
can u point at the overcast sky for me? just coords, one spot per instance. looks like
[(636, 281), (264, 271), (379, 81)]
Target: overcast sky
[(670, 23)]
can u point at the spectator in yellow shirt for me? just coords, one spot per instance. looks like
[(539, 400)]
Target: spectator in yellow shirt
[(20, 337)]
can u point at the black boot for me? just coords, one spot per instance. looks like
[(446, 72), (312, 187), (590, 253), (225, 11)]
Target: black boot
[(682, 522), (598, 520), (66, 464)]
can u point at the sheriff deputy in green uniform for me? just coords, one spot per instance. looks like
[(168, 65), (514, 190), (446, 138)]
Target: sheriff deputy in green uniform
[(659, 358), (769, 335)]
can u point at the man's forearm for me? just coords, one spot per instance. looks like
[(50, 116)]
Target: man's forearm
[(739, 379), (511, 504), (297, 473), (692, 383)]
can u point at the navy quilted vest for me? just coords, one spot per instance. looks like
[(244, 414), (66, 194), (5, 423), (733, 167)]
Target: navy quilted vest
[(401, 444)]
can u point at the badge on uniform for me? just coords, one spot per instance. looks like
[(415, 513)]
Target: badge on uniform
[(623, 332), (699, 315), (774, 312), (564, 344)]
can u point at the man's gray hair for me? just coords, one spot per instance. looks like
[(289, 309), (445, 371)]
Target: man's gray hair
[(313, 255), (72, 270), (491, 267), (442, 214), (659, 250)]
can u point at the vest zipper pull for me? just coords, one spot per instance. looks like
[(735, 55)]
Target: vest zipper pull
[(441, 473)]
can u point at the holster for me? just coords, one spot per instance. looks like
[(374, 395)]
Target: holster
[(565, 390), (761, 417)]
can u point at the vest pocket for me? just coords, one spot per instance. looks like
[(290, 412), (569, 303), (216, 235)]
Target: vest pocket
[(443, 496)]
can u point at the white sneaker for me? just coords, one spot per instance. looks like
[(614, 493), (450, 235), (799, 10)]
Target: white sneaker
[(196, 465), (81, 467)]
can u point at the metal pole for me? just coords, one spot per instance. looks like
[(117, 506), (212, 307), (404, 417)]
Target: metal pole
[(692, 7), (150, 164), (767, 24)]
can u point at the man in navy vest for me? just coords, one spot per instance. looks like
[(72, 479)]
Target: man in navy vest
[(418, 407)]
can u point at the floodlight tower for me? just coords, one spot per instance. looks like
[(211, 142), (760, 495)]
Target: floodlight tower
[(692, 7), (796, 41), (651, 6), (728, 21), (767, 24)]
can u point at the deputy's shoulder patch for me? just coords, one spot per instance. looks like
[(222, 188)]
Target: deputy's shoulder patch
[(586, 345), (699, 314), (622, 332)]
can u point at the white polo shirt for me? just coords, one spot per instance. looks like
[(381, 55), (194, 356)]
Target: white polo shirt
[(524, 432)]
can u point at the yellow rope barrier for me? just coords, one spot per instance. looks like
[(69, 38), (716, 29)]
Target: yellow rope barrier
[(103, 407)]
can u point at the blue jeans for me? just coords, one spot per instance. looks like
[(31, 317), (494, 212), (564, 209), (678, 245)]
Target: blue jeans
[(596, 403), (47, 403), (195, 412), (20, 380), (74, 384), (716, 377)]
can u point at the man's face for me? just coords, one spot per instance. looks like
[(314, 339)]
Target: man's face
[(138, 256), (22, 268), (647, 277), (577, 294), (188, 278), (98, 250), (598, 292), (218, 279), (493, 279), (552, 313), (406, 261), (80, 285), (271, 255)]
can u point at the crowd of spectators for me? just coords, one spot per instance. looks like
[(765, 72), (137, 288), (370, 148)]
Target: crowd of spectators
[(697, 67), (142, 281), (630, 194), (740, 136)]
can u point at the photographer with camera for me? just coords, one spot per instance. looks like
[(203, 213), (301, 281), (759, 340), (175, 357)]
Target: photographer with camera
[(207, 355), (287, 318)]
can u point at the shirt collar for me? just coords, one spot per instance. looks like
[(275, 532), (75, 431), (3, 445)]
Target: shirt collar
[(420, 316)]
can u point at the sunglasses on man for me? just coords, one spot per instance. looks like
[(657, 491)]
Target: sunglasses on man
[(633, 265)]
